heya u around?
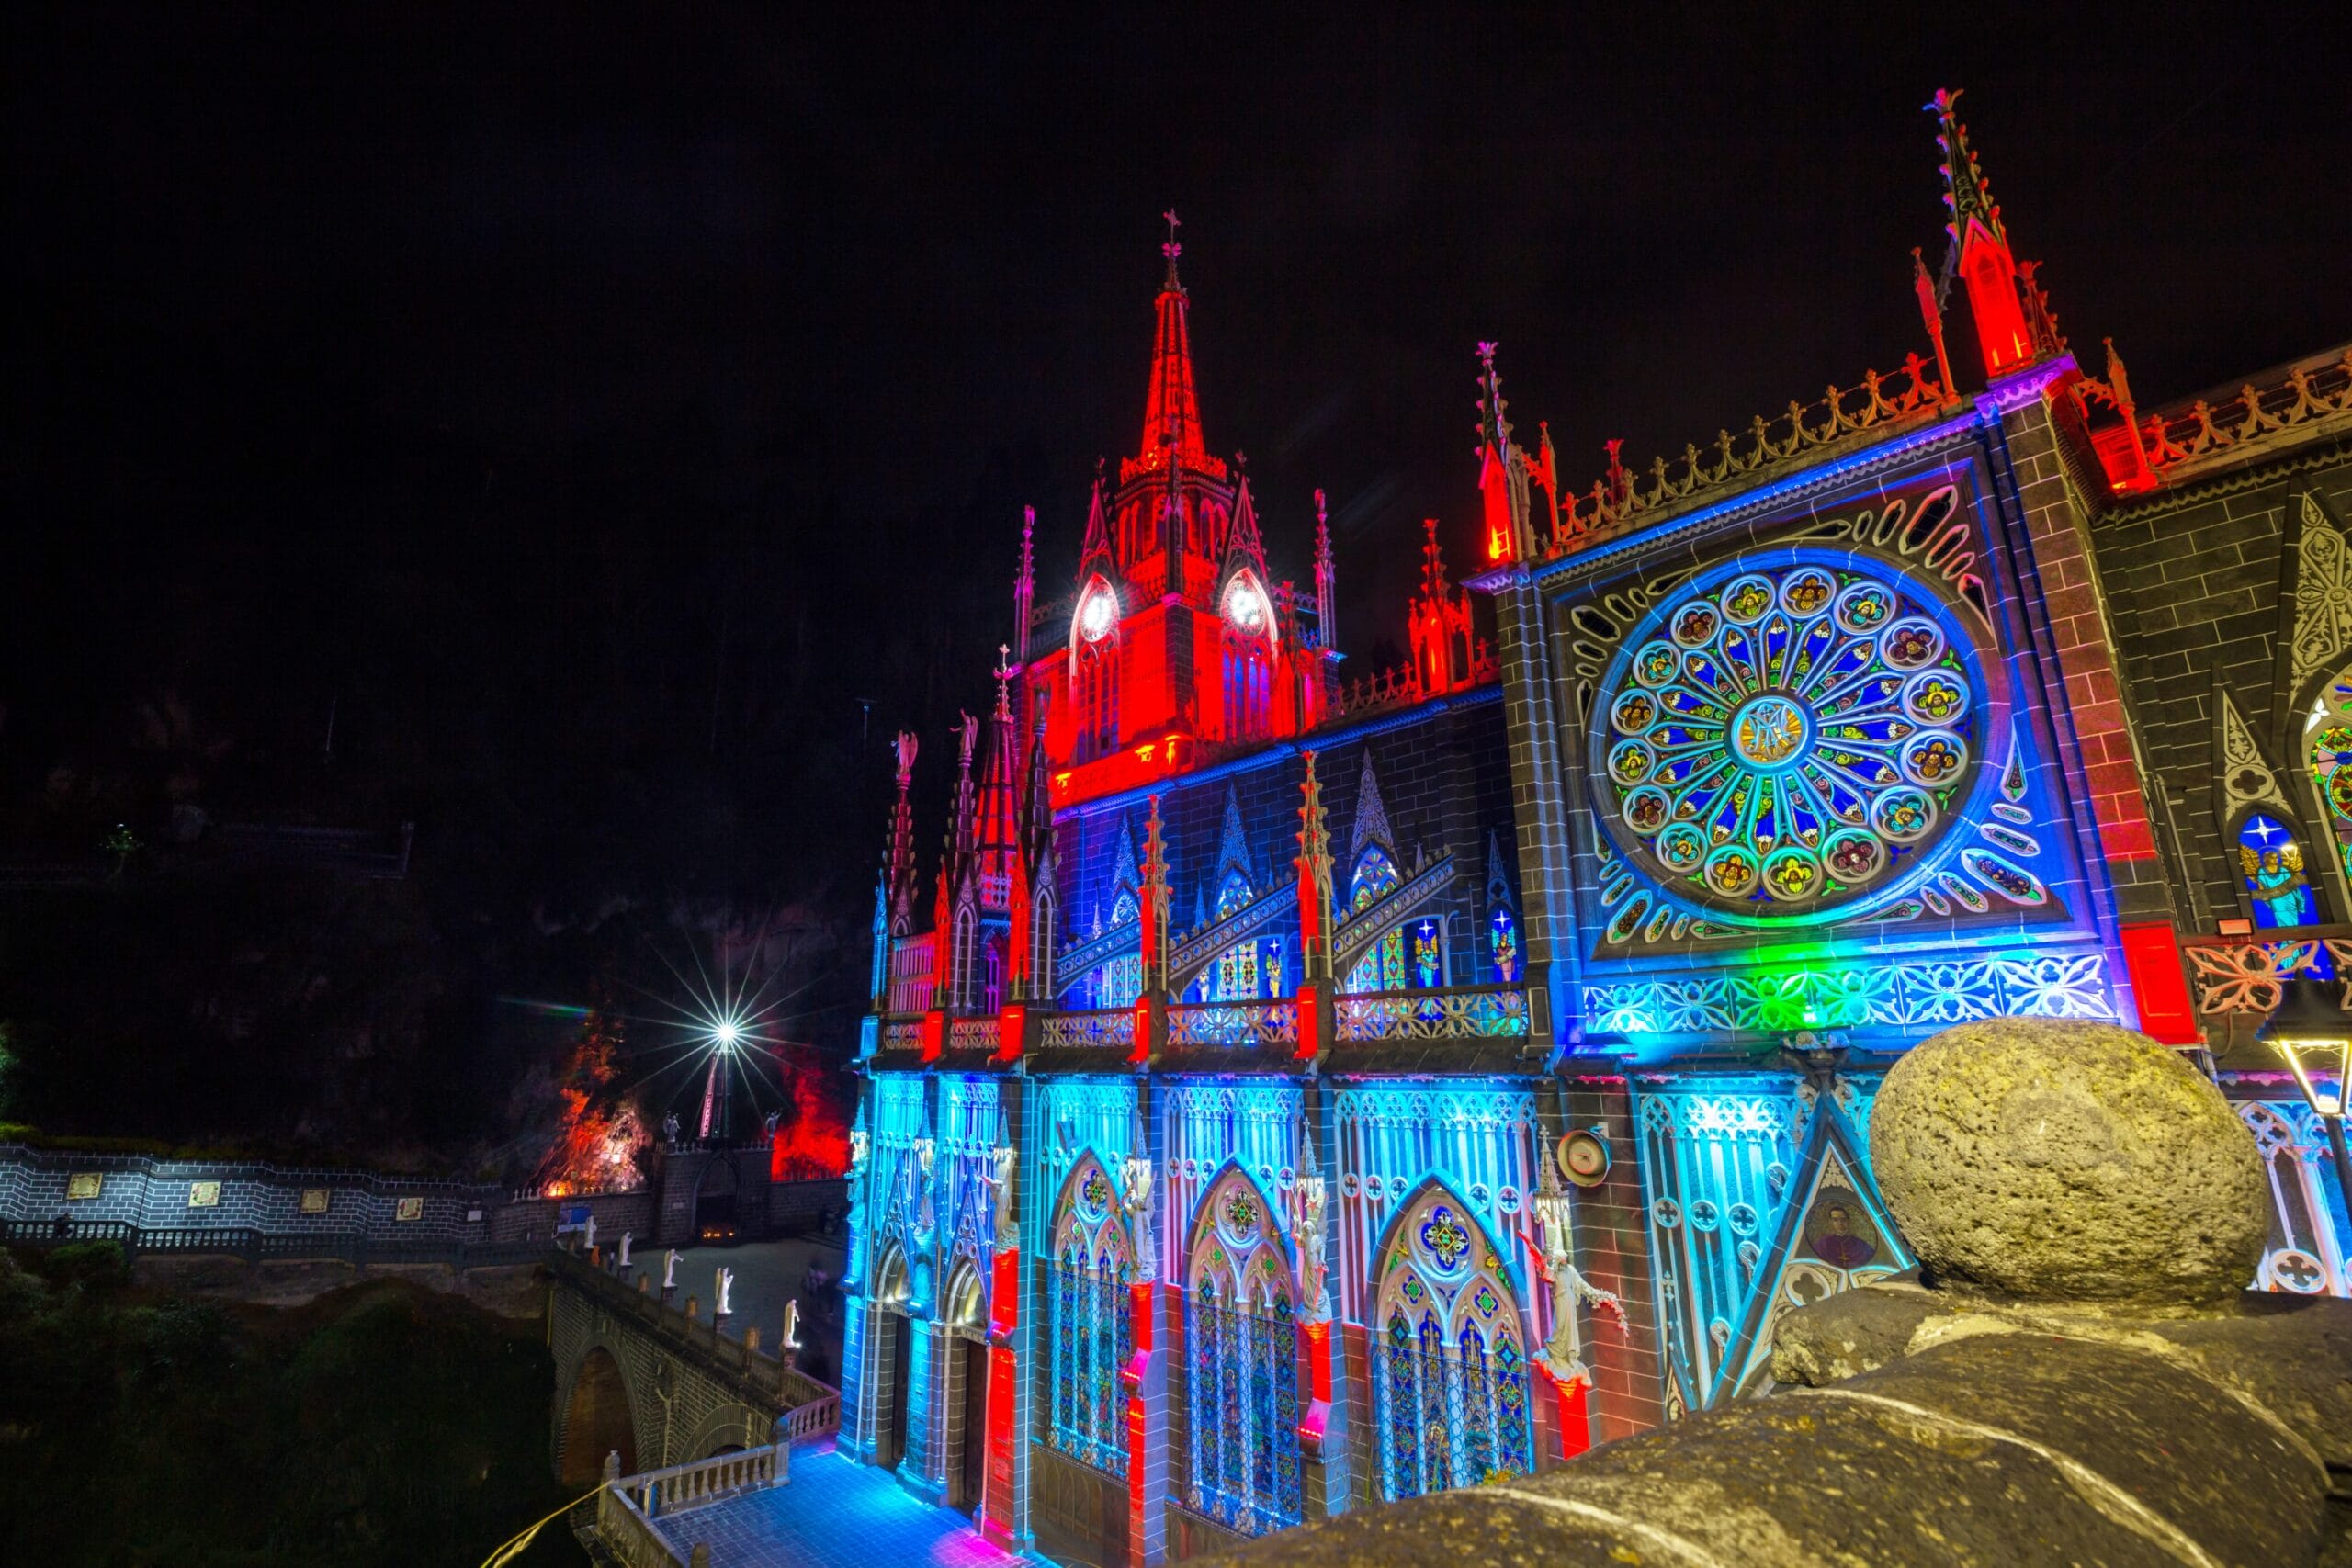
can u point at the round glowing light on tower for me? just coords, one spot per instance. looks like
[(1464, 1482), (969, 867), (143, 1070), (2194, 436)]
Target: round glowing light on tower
[(725, 1033), (1246, 605), (1096, 616)]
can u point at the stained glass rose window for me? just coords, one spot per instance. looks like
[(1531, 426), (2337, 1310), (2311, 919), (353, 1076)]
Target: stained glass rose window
[(1789, 737)]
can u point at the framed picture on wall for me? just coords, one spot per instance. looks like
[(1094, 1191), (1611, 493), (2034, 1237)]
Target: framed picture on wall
[(203, 1194), (408, 1210), (314, 1199), (83, 1184)]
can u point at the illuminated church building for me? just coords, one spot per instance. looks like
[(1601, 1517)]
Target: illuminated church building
[(1285, 1093)]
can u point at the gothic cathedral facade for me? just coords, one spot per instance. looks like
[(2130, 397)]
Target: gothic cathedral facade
[(1290, 1094)]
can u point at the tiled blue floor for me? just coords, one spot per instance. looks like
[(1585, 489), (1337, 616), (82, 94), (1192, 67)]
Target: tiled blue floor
[(833, 1513)]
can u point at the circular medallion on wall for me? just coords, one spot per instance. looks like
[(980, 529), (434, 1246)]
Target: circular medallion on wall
[(1785, 740), (1584, 1158)]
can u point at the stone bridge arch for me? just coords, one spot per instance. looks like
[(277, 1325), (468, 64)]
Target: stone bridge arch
[(627, 1362), (595, 1415)]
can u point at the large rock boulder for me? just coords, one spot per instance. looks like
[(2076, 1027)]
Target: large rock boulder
[(2046, 1159)]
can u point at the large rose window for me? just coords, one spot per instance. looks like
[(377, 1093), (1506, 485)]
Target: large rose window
[(1789, 738)]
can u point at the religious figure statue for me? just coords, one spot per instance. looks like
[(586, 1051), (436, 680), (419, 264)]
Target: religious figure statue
[(1136, 1198), (1310, 1196), (1563, 1352), (922, 1215), (1004, 1228), (588, 1238), (626, 1236), (857, 1142), (769, 1121), (792, 1324), (670, 1128), (726, 1283), (670, 1271)]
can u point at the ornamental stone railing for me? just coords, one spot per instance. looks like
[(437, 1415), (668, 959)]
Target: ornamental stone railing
[(1620, 498), (2237, 982), (1104, 1028), (902, 1033), (1233, 1024), (1461, 1012), (971, 1035), (2310, 391)]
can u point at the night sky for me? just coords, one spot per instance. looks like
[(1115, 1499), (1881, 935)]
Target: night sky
[(587, 406)]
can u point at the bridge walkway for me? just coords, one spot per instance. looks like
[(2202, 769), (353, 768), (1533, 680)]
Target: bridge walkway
[(833, 1513)]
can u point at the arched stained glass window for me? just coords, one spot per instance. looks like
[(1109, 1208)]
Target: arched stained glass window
[(1121, 979), (1449, 1372), (1502, 941), (2277, 877), (1381, 968), (1241, 1330), (1089, 1337), (2327, 754), (1238, 971)]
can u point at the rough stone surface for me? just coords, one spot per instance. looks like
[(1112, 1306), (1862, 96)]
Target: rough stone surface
[(2003, 1447), (2047, 1159)]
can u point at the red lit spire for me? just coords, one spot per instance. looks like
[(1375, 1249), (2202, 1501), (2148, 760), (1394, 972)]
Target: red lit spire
[(1325, 578), (1980, 246), (997, 813), (1172, 413)]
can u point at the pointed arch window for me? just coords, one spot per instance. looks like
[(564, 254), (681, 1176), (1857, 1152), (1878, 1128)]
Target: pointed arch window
[(1449, 1358), (1241, 1330), (2327, 756), (1381, 968), (1239, 975), (2275, 874), (2307, 1255), (1088, 1334), (1120, 981), (964, 993), (1041, 945)]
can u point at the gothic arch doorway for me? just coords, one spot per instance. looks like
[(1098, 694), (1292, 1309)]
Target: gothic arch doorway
[(714, 1213), (965, 1345), (597, 1421), (893, 1352)]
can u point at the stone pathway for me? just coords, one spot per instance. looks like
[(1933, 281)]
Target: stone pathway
[(833, 1513)]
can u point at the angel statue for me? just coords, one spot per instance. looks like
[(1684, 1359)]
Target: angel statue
[(1563, 1352), (1137, 1200), (1310, 1195), (1004, 1227)]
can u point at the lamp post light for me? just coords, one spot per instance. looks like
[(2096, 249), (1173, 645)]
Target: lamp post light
[(2314, 1035)]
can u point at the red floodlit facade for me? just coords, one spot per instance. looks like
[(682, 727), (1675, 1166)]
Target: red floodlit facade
[(1177, 642)]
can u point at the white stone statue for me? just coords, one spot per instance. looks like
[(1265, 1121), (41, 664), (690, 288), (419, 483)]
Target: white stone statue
[(726, 1286), (1004, 1228), (1563, 1352), (670, 1128), (626, 1237), (1137, 1201), (589, 1239), (670, 1271), (792, 1324), (857, 1141), (1310, 1196)]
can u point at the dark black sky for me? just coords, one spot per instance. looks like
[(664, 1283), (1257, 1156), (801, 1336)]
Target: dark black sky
[(266, 252), (587, 405)]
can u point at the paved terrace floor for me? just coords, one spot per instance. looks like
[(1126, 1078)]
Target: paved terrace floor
[(833, 1513)]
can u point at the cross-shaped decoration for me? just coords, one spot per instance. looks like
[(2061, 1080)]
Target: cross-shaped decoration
[(1487, 354), (2298, 1271), (2265, 829), (1003, 671), (1171, 250)]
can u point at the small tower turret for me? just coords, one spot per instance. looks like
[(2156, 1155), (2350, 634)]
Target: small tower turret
[(1980, 247)]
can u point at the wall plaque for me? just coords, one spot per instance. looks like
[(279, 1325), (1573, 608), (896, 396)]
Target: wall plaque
[(203, 1194), (314, 1199), (409, 1209), (83, 1184)]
